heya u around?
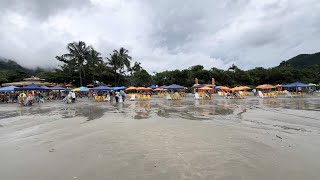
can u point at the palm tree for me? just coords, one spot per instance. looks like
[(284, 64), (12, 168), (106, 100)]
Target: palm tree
[(94, 59), (78, 52), (118, 61)]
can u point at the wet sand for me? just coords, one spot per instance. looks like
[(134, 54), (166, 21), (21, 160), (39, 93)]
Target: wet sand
[(187, 139)]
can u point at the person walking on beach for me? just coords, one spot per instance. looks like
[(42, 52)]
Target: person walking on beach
[(73, 96), (117, 96), (123, 95), (22, 97)]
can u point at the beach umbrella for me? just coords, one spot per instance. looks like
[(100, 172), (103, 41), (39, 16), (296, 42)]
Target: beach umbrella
[(29, 87), (90, 85), (82, 89), (237, 88), (68, 85), (198, 85), (119, 88), (76, 89), (143, 89), (45, 87), (131, 88), (163, 86), (58, 88), (265, 86), (174, 86), (101, 88), (295, 85), (245, 87), (153, 86), (225, 88), (158, 89), (8, 88), (205, 88)]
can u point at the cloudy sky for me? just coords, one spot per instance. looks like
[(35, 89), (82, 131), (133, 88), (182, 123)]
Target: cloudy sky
[(162, 34)]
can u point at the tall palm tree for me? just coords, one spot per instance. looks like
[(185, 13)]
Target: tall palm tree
[(118, 61), (94, 59), (78, 52)]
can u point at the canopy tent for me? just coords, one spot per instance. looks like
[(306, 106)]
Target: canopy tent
[(8, 88), (164, 87), (119, 88), (131, 88), (153, 86), (266, 86), (57, 88), (174, 86), (29, 87), (101, 88), (82, 89), (296, 85), (45, 87)]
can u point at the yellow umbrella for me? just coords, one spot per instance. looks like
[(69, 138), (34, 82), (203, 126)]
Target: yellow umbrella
[(76, 89)]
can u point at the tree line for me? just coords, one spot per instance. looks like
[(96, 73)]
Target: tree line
[(82, 64)]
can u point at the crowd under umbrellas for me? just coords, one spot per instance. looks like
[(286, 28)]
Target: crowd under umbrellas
[(32, 93)]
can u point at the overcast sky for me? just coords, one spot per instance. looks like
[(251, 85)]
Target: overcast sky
[(162, 34)]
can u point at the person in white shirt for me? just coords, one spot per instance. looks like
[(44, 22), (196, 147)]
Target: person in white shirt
[(73, 96)]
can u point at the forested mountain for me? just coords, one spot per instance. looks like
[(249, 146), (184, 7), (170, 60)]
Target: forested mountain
[(303, 60), (7, 64)]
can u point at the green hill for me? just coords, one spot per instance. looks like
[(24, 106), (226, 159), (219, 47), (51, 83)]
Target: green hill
[(7, 64), (303, 60)]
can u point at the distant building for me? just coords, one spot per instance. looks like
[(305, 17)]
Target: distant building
[(28, 81)]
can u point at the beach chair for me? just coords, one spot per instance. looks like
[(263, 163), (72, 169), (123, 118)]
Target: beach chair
[(261, 94), (133, 97), (288, 94), (197, 96), (241, 94), (168, 97)]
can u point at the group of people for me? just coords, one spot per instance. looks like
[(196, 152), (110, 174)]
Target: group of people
[(118, 96), (111, 96), (28, 98), (70, 98)]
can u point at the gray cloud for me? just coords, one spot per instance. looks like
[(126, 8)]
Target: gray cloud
[(41, 9), (163, 34)]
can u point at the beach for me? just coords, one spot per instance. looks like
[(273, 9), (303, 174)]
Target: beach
[(252, 138)]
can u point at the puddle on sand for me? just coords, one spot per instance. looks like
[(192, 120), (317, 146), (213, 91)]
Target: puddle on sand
[(191, 110), (25, 111), (186, 108)]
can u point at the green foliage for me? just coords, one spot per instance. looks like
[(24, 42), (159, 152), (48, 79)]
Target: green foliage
[(303, 60), (82, 65)]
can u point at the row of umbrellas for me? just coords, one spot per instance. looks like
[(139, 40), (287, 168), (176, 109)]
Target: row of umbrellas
[(153, 87)]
